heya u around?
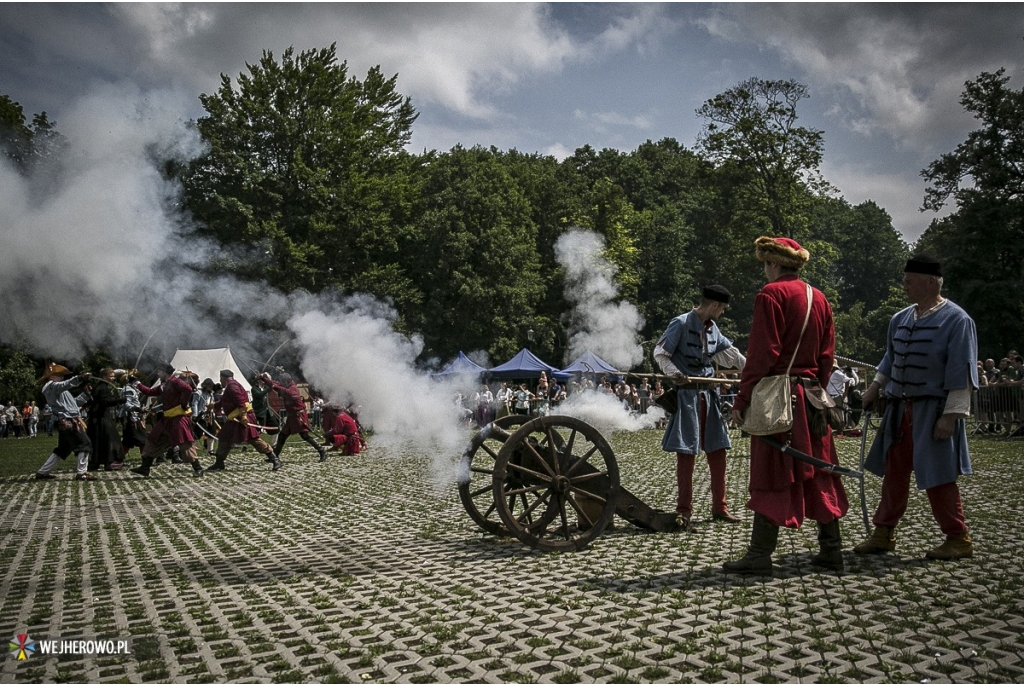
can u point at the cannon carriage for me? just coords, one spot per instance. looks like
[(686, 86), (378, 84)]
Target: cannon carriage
[(552, 482)]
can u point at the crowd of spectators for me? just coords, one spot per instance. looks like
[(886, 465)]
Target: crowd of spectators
[(1000, 397), (24, 421), (539, 398)]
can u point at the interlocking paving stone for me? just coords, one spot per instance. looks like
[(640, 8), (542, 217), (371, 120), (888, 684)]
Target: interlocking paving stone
[(364, 569)]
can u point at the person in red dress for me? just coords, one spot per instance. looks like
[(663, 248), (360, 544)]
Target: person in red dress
[(296, 419), (240, 426), (174, 427), (783, 491)]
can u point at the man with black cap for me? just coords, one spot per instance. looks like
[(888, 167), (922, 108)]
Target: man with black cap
[(71, 428), (690, 347), (926, 378), (296, 419), (240, 423), (174, 427)]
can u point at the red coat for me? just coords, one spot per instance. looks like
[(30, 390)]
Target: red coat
[(234, 432), (345, 435), (173, 392), (296, 419), (328, 416), (781, 488)]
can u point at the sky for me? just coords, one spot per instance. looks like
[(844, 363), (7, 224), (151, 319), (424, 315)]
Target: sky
[(884, 79)]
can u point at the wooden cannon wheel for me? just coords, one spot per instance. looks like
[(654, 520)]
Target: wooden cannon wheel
[(556, 483), (476, 472)]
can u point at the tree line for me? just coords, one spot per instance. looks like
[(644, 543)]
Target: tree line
[(308, 183)]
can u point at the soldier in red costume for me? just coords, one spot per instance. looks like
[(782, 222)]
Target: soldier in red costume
[(784, 491), (296, 420), (174, 428), (240, 425), (342, 431)]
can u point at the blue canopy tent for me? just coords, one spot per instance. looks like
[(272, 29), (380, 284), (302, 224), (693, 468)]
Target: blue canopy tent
[(588, 362), (525, 365), (462, 366)]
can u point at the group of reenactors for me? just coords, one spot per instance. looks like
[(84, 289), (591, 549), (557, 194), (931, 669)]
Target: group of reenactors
[(921, 390), (175, 428)]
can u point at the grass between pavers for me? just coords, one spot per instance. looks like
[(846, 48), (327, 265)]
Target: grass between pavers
[(365, 570)]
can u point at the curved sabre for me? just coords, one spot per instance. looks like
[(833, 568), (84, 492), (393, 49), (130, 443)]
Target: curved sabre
[(144, 347), (863, 449)]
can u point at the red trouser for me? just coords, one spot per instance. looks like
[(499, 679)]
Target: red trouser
[(684, 474), (899, 463)]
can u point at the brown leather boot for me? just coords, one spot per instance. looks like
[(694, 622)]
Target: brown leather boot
[(882, 540), (764, 536), (958, 547)]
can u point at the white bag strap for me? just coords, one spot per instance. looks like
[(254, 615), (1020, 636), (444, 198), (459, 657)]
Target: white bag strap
[(807, 317)]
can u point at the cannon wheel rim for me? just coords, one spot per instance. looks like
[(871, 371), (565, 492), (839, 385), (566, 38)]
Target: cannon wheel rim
[(557, 483), (477, 494)]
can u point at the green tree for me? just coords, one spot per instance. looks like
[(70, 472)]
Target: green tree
[(752, 129), (667, 184), (477, 257), (981, 244), (306, 165), (871, 253), (27, 146), (17, 377)]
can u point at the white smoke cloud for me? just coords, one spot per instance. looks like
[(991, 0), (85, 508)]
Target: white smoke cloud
[(598, 322), (95, 257), (606, 413), (84, 244), (351, 353)]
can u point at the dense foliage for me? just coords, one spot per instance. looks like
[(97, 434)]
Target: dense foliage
[(308, 184), (982, 243)]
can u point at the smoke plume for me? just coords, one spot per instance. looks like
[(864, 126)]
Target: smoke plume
[(598, 322)]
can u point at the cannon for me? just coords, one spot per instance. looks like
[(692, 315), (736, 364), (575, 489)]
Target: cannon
[(552, 482)]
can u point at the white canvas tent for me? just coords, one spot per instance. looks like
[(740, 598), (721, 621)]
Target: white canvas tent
[(208, 364)]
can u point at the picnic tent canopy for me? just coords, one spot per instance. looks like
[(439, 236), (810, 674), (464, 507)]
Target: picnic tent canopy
[(208, 364), (525, 365), (588, 362), (462, 366)]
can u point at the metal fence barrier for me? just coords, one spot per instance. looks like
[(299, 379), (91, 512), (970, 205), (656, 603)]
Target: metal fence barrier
[(997, 409)]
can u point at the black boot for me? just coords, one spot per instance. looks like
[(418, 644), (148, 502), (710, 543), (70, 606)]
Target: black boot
[(218, 465), (197, 469), (831, 543), (147, 463), (176, 456), (758, 560), (276, 454), (276, 462)]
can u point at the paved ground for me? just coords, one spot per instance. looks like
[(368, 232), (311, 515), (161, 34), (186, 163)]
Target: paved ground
[(361, 570)]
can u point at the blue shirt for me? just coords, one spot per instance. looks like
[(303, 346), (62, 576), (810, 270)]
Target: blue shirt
[(58, 396)]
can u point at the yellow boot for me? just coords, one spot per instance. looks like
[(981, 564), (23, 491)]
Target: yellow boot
[(882, 540), (957, 547)]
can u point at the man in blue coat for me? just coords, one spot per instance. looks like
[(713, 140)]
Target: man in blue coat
[(690, 347), (927, 375)]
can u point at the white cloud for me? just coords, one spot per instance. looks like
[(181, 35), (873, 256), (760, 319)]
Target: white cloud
[(558, 151), (895, 70), (889, 190), (602, 122)]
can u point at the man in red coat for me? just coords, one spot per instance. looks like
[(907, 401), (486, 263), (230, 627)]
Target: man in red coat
[(174, 428), (341, 430), (240, 426), (783, 492), (296, 420)]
